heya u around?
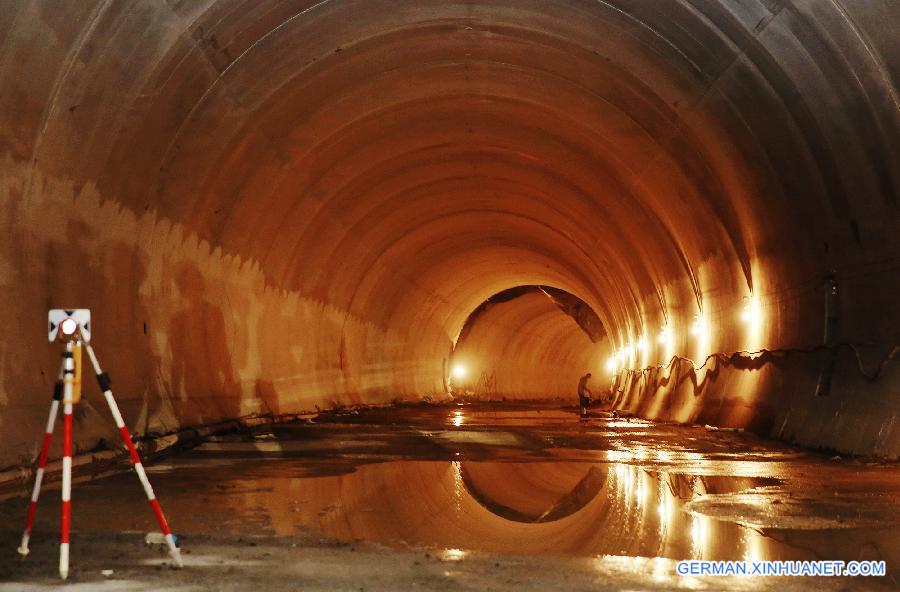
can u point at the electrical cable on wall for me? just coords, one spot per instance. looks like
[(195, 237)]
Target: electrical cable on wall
[(762, 354)]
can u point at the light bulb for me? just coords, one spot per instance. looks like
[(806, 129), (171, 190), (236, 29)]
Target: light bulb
[(750, 313), (612, 364)]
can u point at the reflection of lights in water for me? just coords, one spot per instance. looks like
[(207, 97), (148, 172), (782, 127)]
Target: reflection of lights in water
[(663, 456), (691, 458), (617, 456), (754, 546), (453, 554), (699, 535), (666, 508), (641, 493), (458, 419), (458, 484), (623, 472), (624, 423), (637, 454), (626, 476)]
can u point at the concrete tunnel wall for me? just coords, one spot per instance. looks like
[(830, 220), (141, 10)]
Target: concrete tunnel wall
[(273, 206)]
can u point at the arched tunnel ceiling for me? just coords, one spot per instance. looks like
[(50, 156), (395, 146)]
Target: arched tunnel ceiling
[(399, 162), (629, 142)]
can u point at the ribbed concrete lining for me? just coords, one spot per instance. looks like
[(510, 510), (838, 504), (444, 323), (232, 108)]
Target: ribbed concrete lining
[(276, 205)]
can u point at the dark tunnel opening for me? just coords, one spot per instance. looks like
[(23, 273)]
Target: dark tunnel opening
[(526, 342)]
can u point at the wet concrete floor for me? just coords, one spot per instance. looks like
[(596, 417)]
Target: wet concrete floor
[(467, 484)]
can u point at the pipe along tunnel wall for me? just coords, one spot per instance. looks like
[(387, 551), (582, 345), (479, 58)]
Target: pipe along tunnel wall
[(283, 205)]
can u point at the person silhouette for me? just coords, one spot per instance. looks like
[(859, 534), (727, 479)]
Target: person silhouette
[(201, 359), (584, 393)]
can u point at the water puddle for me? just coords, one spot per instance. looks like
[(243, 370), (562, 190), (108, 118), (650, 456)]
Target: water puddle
[(497, 484)]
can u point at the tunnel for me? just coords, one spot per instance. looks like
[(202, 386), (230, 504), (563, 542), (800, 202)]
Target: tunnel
[(284, 207)]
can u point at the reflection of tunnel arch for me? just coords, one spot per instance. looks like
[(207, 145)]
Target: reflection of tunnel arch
[(533, 492), (353, 177), (428, 504)]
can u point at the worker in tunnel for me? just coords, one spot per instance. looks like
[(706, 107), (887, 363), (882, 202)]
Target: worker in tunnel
[(584, 394)]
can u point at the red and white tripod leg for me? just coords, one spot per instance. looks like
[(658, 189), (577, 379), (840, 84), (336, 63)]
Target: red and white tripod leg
[(68, 380), (42, 463), (103, 379)]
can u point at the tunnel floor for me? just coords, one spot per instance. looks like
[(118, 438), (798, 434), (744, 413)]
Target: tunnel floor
[(472, 497)]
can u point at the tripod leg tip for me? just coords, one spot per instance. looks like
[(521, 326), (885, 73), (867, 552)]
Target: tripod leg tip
[(64, 561), (174, 551), (23, 546), (176, 556)]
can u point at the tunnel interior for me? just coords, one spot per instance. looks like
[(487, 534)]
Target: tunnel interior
[(282, 206), (347, 261)]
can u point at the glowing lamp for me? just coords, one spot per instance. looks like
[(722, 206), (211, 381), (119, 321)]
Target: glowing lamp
[(612, 364), (665, 336), (698, 327), (750, 313)]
